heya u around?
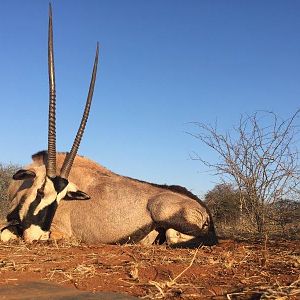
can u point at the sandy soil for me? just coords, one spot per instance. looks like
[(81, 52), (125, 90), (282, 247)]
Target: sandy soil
[(231, 270)]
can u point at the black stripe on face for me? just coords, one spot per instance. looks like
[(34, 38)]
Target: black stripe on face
[(59, 183), (49, 215)]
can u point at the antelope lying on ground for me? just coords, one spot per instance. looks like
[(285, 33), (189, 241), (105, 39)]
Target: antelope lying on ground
[(93, 204)]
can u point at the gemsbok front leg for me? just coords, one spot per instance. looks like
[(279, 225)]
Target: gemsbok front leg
[(184, 219)]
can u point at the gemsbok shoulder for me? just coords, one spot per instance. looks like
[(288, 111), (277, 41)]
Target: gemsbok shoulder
[(69, 196)]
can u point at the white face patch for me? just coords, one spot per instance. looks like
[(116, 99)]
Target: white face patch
[(7, 235), (49, 196), (71, 187), (34, 233)]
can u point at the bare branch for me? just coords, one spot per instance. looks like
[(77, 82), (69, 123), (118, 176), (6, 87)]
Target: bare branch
[(259, 156)]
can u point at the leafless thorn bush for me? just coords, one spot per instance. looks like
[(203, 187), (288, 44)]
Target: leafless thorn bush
[(260, 158)]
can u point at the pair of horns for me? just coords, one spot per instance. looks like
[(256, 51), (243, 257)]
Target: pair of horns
[(67, 165)]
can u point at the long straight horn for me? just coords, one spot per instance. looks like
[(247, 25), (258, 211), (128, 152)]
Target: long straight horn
[(51, 164), (67, 165)]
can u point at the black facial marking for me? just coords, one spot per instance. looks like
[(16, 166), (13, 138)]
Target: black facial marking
[(59, 183), (48, 218), (14, 214)]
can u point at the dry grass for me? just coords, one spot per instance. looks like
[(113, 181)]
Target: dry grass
[(266, 292), (232, 270)]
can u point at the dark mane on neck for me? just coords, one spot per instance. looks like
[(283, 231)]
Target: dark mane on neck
[(173, 188), (41, 157)]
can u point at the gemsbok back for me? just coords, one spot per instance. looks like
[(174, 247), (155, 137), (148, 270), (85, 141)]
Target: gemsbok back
[(69, 196)]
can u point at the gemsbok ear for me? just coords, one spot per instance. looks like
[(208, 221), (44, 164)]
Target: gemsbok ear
[(24, 174), (78, 195)]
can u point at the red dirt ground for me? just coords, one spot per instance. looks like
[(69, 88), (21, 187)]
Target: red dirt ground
[(230, 270)]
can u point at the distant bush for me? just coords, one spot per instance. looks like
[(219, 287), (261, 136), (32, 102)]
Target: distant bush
[(224, 205), (223, 202), (282, 217), (6, 173)]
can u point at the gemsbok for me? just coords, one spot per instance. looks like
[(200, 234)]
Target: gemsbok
[(69, 196)]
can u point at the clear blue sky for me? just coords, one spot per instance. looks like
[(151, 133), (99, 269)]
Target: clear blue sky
[(163, 64)]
